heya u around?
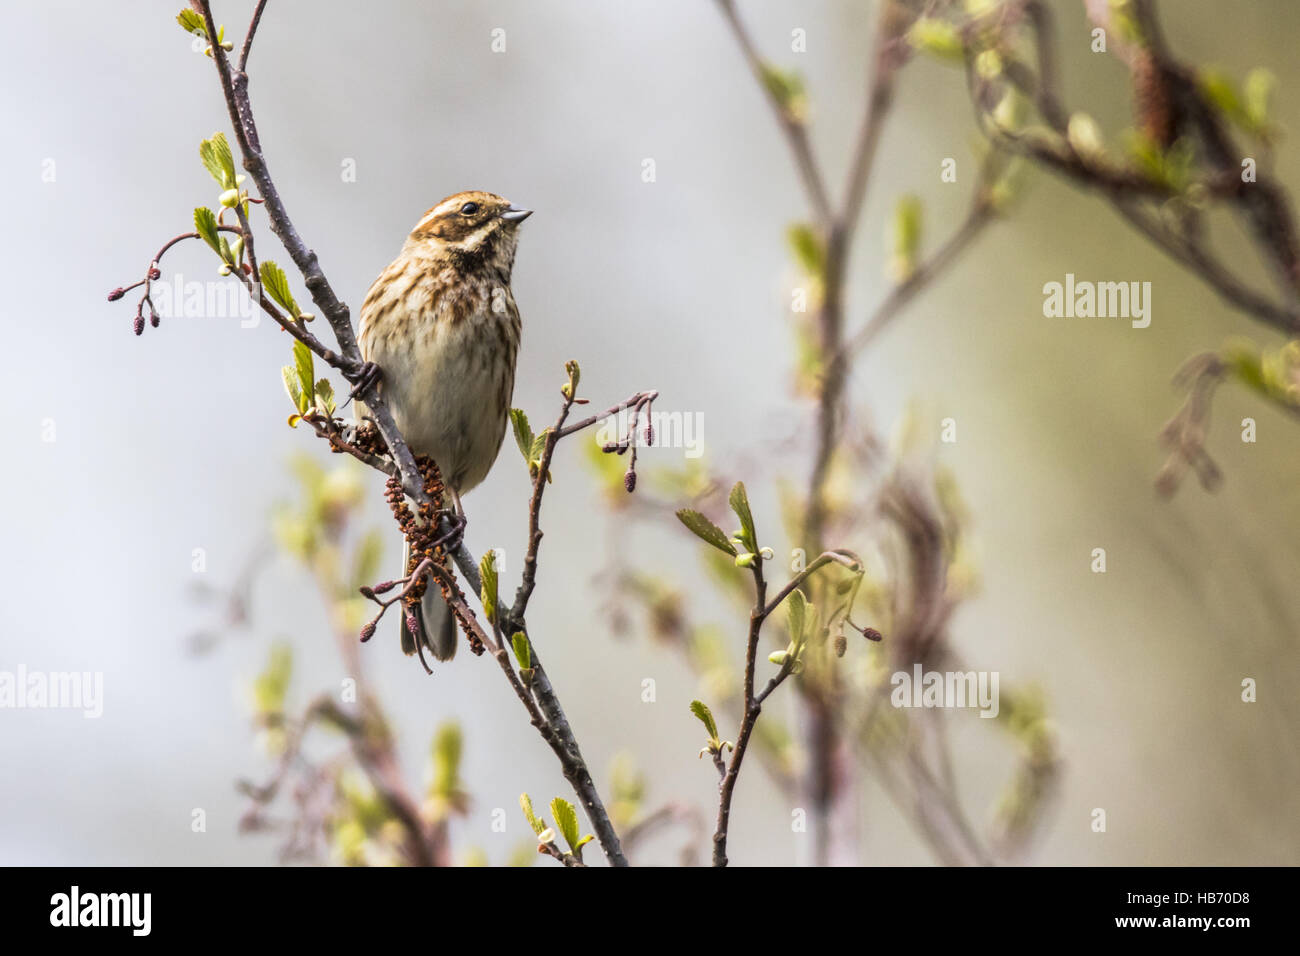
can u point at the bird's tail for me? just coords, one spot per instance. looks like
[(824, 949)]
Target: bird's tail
[(437, 625)]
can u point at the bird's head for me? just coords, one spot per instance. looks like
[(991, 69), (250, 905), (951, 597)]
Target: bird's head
[(475, 230)]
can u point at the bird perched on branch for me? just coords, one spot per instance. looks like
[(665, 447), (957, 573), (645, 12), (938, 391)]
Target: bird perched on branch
[(442, 326)]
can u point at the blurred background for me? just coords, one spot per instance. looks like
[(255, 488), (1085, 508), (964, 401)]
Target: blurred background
[(176, 440)]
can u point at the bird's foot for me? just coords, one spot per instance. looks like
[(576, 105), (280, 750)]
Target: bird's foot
[(368, 376), (450, 539)]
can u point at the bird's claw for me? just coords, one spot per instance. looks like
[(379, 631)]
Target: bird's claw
[(451, 539), (369, 376)]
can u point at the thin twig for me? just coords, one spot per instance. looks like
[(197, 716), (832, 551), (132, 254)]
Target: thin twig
[(796, 133), (350, 362), (752, 708), (248, 37), (979, 216)]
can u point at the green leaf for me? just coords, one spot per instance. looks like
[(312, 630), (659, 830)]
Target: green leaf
[(325, 396), (1250, 108), (275, 282), (1220, 91), (1170, 168), (797, 612), (538, 446), (938, 38), (1011, 111), (205, 224), (812, 627), (523, 432), (706, 530), (566, 818), (535, 451), (217, 159), (787, 88), (701, 710), (526, 804), (1258, 91), (523, 653), (1146, 153), (447, 747), (808, 248), (570, 388), (487, 569), (302, 361), (1274, 374), (191, 22), (739, 501), (906, 236), (272, 684), (290, 376)]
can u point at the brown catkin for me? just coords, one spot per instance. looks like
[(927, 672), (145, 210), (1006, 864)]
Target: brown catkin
[(1152, 104)]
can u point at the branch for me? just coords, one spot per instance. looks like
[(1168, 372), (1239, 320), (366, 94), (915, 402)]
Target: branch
[(234, 86), (512, 618), (845, 558), (790, 664), (637, 402), (1210, 269), (752, 708), (425, 846), (248, 37), (980, 215), (796, 133), (1187, 111), (890, 54)]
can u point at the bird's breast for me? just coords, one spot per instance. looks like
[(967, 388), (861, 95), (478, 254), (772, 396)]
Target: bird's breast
[(448, 358)]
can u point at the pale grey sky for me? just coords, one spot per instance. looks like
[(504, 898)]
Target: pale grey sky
[(176, 440)]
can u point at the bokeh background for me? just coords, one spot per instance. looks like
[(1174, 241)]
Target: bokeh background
[(177, 440)]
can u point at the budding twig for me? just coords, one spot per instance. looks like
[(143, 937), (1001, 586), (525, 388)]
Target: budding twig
[(752, 706)]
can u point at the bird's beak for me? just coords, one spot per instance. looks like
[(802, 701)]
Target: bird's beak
[(515, 214)]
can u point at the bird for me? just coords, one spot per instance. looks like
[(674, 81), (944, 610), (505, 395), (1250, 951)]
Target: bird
[(441, 325)]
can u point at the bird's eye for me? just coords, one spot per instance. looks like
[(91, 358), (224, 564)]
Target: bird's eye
[(469, 209)]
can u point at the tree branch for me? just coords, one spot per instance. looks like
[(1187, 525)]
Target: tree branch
[(752, 708), (796, 133), (234, 86)]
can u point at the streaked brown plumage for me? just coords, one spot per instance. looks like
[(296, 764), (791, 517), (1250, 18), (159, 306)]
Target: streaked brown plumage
[(442, 325)]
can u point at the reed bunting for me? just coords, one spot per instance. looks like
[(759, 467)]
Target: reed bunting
[(442, 326)]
